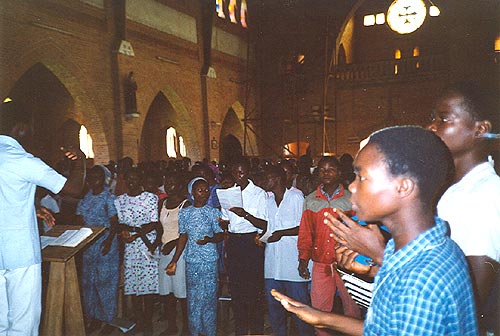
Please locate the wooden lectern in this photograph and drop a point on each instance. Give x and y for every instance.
(63, 293)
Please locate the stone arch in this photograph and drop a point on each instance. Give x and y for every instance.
(175, 114)
(234, 124)
(344, 37)
(48, 54)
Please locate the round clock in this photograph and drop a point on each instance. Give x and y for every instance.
(406, 16)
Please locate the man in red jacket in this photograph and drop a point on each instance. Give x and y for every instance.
(316, 244)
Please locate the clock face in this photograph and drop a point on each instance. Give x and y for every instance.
(406, 16)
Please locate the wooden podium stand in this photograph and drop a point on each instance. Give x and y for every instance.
(63, 293)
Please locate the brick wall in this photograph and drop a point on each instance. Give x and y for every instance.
(75, 42)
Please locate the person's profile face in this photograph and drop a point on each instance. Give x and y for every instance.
(453, 124)
(328, 173)
(373, 191)
(200, 192)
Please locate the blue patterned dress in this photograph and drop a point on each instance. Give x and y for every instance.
(99, 273)
(201, 267)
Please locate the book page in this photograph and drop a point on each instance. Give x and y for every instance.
(46, 241)
(230, 198)
(78, 237)
(69, 238)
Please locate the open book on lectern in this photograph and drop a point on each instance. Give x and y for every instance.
(69, 238)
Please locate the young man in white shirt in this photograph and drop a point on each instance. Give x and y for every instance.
(284, 207)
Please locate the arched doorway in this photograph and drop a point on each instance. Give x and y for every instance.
(230, 149)
(165, 111)
(51, 95)
(41, 95)
(232, 136)
(161, 115)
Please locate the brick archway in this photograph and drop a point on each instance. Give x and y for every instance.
(165, 110)
(52, 57)
(234, 124)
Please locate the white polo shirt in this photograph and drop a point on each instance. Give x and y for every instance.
(281, 257)
(254, 202)
(472, 208)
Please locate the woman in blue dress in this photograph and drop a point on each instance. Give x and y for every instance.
(199, 231)
(100, 267)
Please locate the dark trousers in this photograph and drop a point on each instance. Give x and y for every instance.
(278, 315)
(245, 263)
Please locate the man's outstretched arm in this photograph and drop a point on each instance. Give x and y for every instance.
(320, 319)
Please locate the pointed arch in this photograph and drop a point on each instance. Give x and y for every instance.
(49, 55)
(170, 110)
(234, 124)
(345, 34)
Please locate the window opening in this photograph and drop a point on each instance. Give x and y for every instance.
(369, 20)
(397, 54)
(380, 18)
(232, 7)
(171, 142)
(219, 8)
(416, 52)
(243, 13)
(182, 147)
(85, 142)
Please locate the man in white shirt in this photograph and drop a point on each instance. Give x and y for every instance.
(20, 255)
(472, 205)
(284, 207)
(245, 259)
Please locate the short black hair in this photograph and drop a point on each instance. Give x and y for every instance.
(98, 170)
(10, 116)
(419, 153)
(202, 167)
(478, 101)
(275, 170)
(241, 161)
(330, 159)
(288, 164)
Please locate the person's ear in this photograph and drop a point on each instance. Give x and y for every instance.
(406, 186)
(482, 127)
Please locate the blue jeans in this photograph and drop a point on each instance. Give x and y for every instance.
(277, 314)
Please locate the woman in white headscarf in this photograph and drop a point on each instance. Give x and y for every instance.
(199, 231)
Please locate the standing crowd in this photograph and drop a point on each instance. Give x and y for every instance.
(281, 243)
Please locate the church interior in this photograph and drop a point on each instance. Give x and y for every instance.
(166, 79)
(162, 80)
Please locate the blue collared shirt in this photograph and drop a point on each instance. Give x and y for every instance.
(423, 289)
(20, 173)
